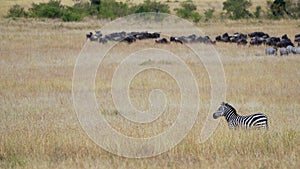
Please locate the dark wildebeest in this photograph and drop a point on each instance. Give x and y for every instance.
(224, 38)
(284, 43)
(258, 34)
(89, 35)
(272, 41)
(102, 40)
(257, 41)
(162, 40)
(129, 39)
(242, 42)
(175, 39)
(93, 37)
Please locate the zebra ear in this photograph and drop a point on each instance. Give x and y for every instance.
(223, 103)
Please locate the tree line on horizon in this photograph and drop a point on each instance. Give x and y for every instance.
(111, 9)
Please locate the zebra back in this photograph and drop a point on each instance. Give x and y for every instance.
(234, 120)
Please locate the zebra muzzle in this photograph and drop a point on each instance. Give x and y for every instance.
(216, 115)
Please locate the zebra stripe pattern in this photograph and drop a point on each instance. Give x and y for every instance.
(236, 121)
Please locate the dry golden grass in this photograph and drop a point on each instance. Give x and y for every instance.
(39, 127)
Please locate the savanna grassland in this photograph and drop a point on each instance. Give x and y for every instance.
(39, 126)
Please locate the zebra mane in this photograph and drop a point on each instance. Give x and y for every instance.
(231, 107)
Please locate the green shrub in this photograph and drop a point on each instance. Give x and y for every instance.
(257, 12)
(278, 8)
(70, 15)
(16, 11)
(195, 16)
(111, 9)
(187, 11)
(151, 6)
(51, 9)
(237, 9)
(293, 9)
(209, 13)
(76, 12)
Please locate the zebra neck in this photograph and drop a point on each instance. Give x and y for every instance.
(231, 114)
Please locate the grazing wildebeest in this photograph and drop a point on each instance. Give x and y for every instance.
(154, 35)
(129, 39)
(205, 39)
(162, 40)
(116, 36)
(239, 38)
(98, 34)
(233, 39)
(146, 35)
(272, 41)
(242, 42)
(283, 51)
(284, 43)
(89, 35)
(93, 37)
(284, 36)
(102, 40)
(271, 51)
(224, 38)
(257, 41)
(258, 34)
(240, 35)
(191, 38)
(175, 39)
(218, 38)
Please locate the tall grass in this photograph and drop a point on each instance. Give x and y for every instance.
(39, 127)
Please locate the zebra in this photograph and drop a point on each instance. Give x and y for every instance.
(236, 121)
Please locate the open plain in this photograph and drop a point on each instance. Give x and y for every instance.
(39, 126)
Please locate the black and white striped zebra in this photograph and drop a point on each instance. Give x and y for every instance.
(236, 121)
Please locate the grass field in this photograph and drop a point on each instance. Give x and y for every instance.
(39, 127)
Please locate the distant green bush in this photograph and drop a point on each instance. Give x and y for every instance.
(150, 6)
(188, 11)
(110, 9)
(16, 11)
(72, 16)
(293, 9)
(279, 9)
(209, 13)
(51, 9)
(257, 12)
(76, 12)
(237, 9)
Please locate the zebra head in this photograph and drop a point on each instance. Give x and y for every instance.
(220, 112)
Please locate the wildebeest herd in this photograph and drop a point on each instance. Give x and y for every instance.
(134, 36)
(272, 43)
